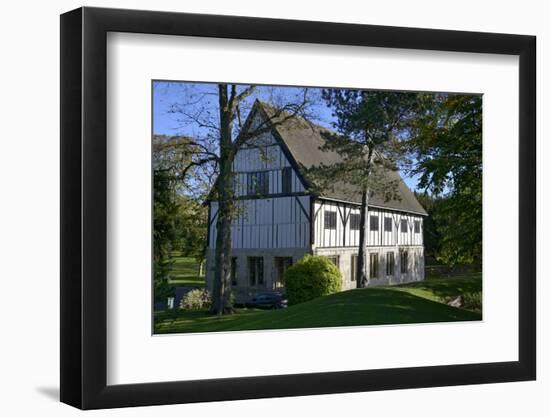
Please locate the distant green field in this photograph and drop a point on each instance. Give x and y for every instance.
(185, 272)
(409, 303)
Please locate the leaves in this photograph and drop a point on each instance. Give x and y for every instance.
(446, 141)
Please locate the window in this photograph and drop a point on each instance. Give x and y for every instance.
(390, 264)
(330, 220)
(234, 271)
(281, 265)
(404, 225)
(404, 261)
(417, 226)
(388, 224)
(256, 271)
(353, 274)
(335, 260)
(355, 221)
(258, 183)
(374, 223)
(286, 182)
(373, 265)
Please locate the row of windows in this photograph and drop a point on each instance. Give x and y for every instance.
(258, 182)
(355, 223)
(374, 264)
(255, 266)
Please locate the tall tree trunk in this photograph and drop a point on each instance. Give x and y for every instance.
(363, 224)
(361, 256)
(221, 291)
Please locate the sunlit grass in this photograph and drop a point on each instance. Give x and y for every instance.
(185, 272)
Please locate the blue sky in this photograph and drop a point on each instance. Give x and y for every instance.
(193, 97)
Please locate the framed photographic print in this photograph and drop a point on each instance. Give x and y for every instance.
(258, 208)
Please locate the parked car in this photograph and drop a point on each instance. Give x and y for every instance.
(268, 301)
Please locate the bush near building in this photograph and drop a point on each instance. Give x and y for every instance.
(311, 277)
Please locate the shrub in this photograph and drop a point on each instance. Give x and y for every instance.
(311, 277)
(197, 299)
(473, 301)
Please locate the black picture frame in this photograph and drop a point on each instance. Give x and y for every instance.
(84, 207)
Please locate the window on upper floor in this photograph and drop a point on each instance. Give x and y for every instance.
(417, 226)
(330, 220)
(374, 223)
(404, 226)
(388, 224)
(286, 180)
(258, 183)
(355, 221)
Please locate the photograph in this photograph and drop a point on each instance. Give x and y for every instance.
(330, 207)
(292, 207)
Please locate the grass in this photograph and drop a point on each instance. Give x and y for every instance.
(444, 289)
(185, 272)
(409, 303)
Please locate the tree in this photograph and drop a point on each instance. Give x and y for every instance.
(192, 225)
(164, 232)
(368, 124)
(431, 232)
(223, 133)
(171, 155)
(446, 142)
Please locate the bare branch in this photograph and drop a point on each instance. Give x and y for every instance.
(204, 149)
(198, 163)
(280, 116)
(238, 113)
(244, 94)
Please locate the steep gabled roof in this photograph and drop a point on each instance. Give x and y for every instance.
(303, 142)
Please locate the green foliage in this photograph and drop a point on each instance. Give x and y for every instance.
(197, 299)
(191, 222)
(432, 234)
(185, 272)
(369, 124)
(311, 277)
(164, 232)
(161, 279)
(179, 222)
(473, 301)
(446, 141)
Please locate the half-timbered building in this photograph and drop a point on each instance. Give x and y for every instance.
(280, 218)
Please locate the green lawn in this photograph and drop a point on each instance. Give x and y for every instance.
(409, 303)
(185, 272)
(444, 289)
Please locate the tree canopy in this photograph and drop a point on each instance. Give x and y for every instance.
(446, 144)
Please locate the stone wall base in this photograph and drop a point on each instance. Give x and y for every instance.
(243, 290)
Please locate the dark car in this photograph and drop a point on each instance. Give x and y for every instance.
(268, 300)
